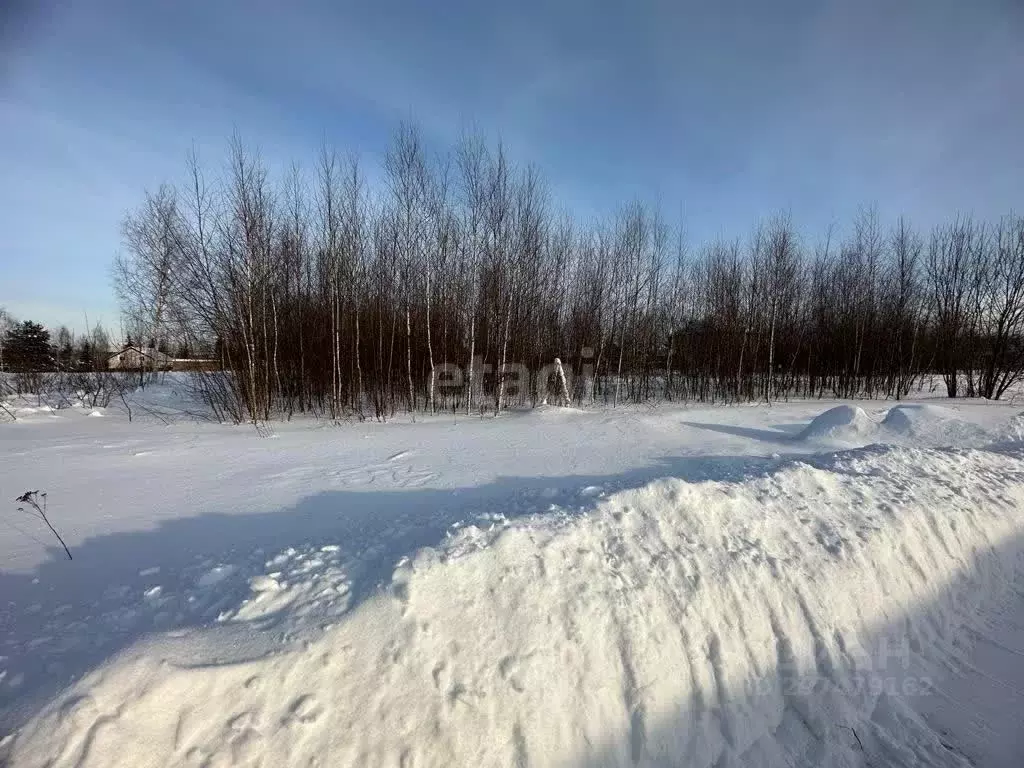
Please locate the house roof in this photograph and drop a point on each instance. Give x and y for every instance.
(149, 352)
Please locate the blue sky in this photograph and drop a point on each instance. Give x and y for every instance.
(720, 112)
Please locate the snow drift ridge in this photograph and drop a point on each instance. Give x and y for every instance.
(697, 624)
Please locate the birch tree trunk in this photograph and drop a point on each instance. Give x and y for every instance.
(563, 385)
(408, 360)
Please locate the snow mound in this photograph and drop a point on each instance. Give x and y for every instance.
(21, 411)
(932, 425)
(1013, 430)
(844, 423)
(552, 409)
(796, 618)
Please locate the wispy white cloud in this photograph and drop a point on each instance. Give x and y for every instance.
(727, 112)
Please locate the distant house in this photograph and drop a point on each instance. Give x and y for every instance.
(133, 358)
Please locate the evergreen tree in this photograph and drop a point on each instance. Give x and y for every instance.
(85, 356)
(27, 348)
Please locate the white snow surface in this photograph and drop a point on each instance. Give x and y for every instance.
(805, 584)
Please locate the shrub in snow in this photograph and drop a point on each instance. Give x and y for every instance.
(31, 500)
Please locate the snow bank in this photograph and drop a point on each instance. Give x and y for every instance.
(844, 423)
(905, 424)
(788, 619)
(1013, 429)
(933, 424)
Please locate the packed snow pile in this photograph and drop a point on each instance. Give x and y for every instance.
(803, 616)
(933, 424)
(904, 424)
(844, 423)
(1013, 430)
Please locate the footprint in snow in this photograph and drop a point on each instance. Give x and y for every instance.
(304, 710)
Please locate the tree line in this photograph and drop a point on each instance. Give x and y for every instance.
(28, 347)
(63, 368)
(457, 282)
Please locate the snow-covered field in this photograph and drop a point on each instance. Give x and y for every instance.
(797, 585)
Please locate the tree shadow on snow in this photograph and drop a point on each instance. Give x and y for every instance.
(783, 433)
